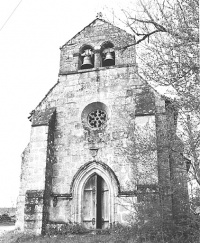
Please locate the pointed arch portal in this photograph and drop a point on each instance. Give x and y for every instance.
(94, 189)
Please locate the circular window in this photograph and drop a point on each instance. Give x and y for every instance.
(97, 118)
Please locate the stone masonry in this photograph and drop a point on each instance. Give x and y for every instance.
(100, 125)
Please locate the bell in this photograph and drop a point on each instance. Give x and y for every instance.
(109, 60)
(87, 63)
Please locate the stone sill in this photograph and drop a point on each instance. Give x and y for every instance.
(96, 69)
(64, 195)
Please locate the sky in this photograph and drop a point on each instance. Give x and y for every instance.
(29, 65)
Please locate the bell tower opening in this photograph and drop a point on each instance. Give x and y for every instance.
(107, 54)
(95, 203)
(86, 57)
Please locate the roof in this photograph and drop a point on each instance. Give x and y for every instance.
(96, 21)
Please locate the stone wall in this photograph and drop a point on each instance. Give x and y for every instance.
(117, 89)
(22, 190)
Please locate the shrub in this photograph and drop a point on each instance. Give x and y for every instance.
(64, 229)
(156, 230)
(5, 218)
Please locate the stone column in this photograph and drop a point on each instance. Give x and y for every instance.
(97, 57)
(35, 181)
(164, 169)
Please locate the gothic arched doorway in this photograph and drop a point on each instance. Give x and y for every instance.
(95, 203)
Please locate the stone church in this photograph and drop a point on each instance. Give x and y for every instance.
(101, 139)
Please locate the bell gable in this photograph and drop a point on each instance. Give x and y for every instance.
(100, 44)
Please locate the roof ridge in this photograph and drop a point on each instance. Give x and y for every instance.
(97, 18)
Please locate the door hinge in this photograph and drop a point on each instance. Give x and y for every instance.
(93, 221)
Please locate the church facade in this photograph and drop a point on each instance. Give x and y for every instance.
(100, 139)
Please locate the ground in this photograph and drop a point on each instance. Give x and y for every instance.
(12, 237)
(122, 235)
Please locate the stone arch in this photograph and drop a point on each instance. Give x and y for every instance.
(107, 49)
(81, 177)
(90, 54)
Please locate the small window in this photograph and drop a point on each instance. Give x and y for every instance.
(107, 54)
(87, 57)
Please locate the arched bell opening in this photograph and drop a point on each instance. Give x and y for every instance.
(107, 54)
(95, 203)
(86, 57)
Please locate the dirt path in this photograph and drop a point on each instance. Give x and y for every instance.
(4, 229)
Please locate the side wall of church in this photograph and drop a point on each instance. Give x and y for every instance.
(36, 174)
(32, 180)
(22, 189)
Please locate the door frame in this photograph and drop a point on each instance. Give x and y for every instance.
(78, 185)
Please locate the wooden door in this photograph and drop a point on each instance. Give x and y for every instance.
(89, 203)
(95, 203)
(105, 205)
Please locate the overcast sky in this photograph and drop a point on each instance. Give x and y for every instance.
(29, 65)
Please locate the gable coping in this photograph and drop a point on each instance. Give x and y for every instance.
(103, 20)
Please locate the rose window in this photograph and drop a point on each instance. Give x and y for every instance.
(97, 118)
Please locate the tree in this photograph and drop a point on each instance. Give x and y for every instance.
(167, 36)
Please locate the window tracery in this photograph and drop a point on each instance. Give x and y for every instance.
(97, 118)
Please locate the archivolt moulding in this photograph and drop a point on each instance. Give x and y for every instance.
(80, 179)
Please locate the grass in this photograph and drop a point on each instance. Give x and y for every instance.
(14, 237)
